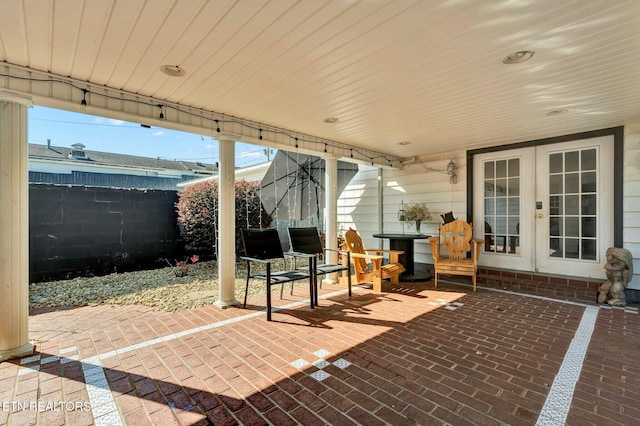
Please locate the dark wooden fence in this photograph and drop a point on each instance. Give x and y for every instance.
(79, 230)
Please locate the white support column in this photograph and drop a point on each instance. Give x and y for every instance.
(226, 224)
(331, 213)
(14, 227)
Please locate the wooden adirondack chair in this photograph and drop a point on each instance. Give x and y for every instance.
(367, 264)
(457, 238)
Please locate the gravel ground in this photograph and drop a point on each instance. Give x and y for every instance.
(158, 288)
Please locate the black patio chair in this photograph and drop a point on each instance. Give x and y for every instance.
(263, 246)
(307, 241)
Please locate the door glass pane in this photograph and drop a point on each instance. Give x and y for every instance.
(513, 207)
(514, 226)
(514, 168)
(555, 205)
(571, 249)
(573, 222)
(571, 205)
(513, 187)
(555, 184)
(488, 170)
(589, 204)
(571, 225)
(502, 206)
(555, 163)
(571, 162)
(588, 159)
(489, 188)
(589, 249)
(489, 207)
(589, 182)
(571, 183)
(588, 226)
(555, 247)
(501, 225)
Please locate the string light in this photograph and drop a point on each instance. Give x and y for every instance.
(83, 102)
(353, 152)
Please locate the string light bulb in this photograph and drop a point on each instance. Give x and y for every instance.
(161, 113)
(217, 125)
(83, 102)
(260, 134)
(296, 143)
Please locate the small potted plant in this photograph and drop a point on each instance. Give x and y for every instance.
(418, 213)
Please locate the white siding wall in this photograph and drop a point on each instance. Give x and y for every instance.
(358, 205)
(631, 218)
(420, 182)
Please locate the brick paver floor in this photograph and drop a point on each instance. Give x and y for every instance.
(411, 355)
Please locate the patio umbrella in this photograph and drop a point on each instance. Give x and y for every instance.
(293, 186)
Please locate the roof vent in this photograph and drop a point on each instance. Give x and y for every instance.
(77, 152)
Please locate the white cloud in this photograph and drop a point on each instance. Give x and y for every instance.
(116, 122)
(159, 133)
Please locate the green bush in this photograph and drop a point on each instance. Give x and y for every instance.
(197, 209)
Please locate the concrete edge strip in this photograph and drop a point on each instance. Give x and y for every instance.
(556, 407)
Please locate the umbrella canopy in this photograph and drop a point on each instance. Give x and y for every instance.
(293, 186)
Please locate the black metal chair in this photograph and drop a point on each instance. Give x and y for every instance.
(307, 241)
(263, 246)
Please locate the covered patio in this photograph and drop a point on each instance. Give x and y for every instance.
(412, 355)
(519, 116)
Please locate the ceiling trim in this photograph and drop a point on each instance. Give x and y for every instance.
(66, 93)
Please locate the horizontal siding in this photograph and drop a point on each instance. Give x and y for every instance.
(424, 183)
(358, 205)
(416, 183)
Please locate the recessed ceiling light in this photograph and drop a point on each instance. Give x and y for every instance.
(557, 112)
(404, 143)
(173, 70)
(518, 57)
(331, 120)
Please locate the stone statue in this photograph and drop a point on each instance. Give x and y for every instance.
(619, 270)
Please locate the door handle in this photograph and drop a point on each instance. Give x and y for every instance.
(539, 215)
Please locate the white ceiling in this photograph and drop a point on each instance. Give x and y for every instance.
(428, 72)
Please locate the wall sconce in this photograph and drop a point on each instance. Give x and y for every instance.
(451, 171)
(402, 215)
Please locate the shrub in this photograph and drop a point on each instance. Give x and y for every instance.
(197, 208)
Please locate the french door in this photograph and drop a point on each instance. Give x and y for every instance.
(546, 208)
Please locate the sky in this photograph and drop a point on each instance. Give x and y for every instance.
(108, 135)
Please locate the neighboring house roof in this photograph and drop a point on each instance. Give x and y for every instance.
(57, 153)
(251, 173)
